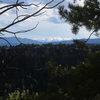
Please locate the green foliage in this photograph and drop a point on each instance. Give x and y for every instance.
(55, 70)
(21, 95)
(78, 16)
(79, 83)
(20, 79)
(80, 44)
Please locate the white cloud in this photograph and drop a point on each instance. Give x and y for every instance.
(50, 26)
(57, 38)
(80, 2)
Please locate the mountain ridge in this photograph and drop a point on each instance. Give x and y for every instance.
(13, 41)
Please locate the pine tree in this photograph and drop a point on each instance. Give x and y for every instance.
(87, 15)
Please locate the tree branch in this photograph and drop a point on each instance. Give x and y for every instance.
(22, 31)
(5, 40)
(89, 36)
(24, 17)
(31, 15)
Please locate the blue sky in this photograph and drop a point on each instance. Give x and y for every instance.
(50, 27)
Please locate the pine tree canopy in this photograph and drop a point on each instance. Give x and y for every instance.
(78, 16)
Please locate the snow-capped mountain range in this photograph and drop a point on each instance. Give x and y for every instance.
(14, 41)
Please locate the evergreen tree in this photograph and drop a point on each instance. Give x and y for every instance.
(87, 15)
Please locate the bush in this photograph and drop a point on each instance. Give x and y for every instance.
(21, 95)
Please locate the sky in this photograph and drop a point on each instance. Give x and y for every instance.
(50, 27)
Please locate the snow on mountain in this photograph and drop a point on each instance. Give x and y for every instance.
(13, 41)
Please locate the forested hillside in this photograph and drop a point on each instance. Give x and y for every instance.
(50, 72)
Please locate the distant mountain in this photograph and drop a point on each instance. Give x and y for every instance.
(94, 41)
(13, 41)
(91, 41)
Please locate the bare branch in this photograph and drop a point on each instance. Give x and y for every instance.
(37, 5)
(89, 36)
(55, 5)
(17, 39)
(6, 40)
(29, 16)
(39, 14)
(9, 7)
(22, 31)
(21, 18)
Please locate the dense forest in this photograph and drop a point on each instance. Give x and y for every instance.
(50, 72)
